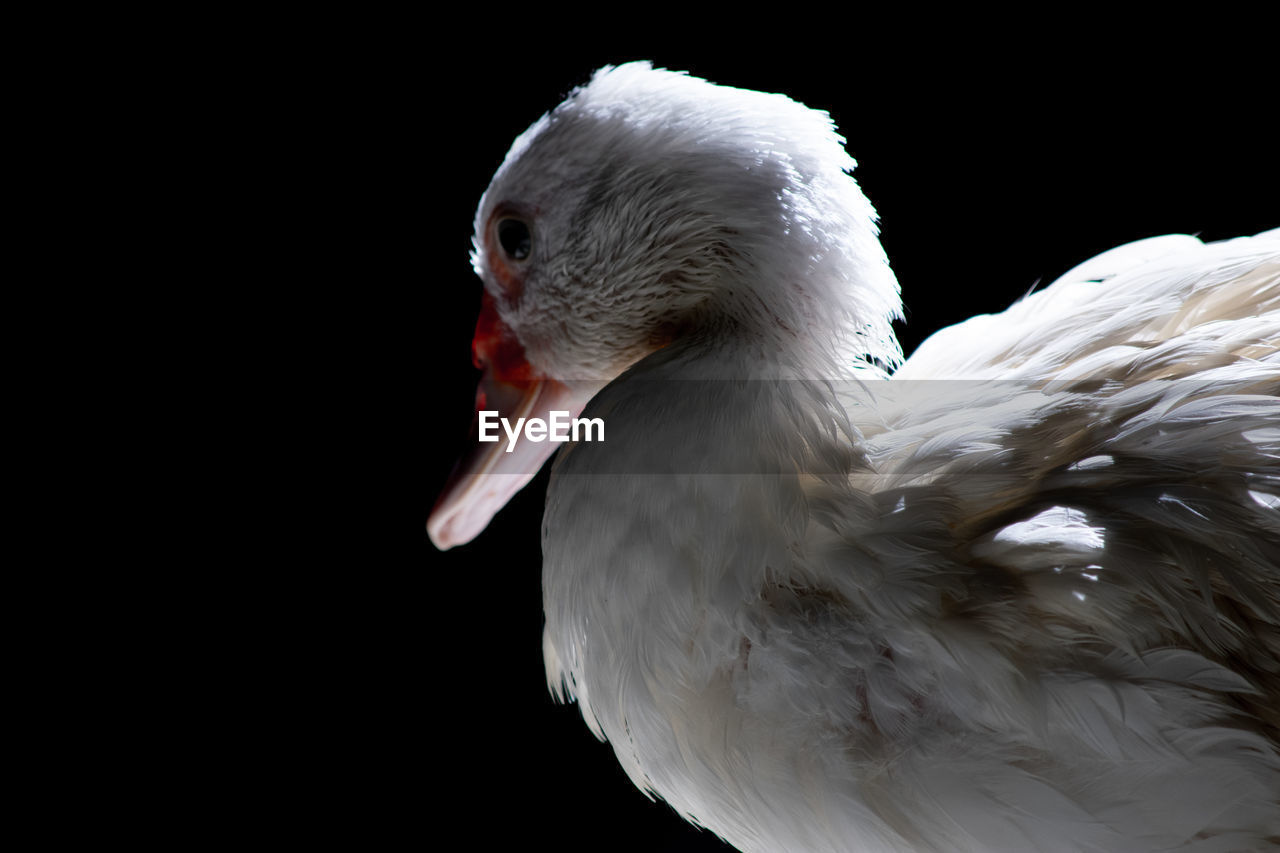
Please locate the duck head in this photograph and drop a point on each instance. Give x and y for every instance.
(653, 207)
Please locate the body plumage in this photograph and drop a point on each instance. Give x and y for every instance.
(1020, 593)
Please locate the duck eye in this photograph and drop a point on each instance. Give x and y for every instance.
(515, 239)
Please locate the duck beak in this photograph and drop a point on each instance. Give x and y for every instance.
(492, 470)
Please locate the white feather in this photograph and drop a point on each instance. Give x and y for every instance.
(1024, 595)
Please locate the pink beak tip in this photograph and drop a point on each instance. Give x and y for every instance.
(447, 526)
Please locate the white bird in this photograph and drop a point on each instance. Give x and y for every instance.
(1022, 594)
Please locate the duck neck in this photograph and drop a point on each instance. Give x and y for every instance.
(815, 311)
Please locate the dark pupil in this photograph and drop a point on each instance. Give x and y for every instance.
(515, 238)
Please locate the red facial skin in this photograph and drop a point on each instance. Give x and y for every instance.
(494, 347)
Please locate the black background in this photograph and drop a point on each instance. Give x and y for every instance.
(993, 169)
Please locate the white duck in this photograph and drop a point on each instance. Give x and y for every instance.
(1036, 607)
